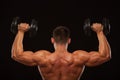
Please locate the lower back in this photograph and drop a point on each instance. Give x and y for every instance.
(62, 73)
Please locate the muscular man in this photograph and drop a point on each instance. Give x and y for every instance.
(61, 64)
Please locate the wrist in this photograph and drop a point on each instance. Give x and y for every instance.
(21, 32)
(100, 32)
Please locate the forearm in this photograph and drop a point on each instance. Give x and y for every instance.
(17, 48)
(104, 48)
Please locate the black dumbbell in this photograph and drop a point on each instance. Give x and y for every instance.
(87, 26)
(106, 26)
(32, 30)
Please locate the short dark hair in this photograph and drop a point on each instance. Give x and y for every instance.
(61, 34)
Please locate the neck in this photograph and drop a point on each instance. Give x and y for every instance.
(60, 48)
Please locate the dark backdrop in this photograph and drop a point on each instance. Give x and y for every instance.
(50, 14)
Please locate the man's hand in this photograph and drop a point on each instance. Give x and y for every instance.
(97, 27)
(23, 27)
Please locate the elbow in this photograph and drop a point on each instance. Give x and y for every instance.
(15, 56)
(12, 54)
(108, 57)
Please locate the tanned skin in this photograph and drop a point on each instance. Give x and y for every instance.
(61, 64)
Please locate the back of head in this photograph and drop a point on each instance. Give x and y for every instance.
(61, 34)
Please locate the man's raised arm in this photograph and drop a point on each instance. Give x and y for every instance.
(104, 52)
(18, 53)
(94, 58)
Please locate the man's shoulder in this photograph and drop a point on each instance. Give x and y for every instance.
(80, 52)
(81, 55)
(42, 52)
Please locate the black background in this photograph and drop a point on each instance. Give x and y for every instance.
(50, 14)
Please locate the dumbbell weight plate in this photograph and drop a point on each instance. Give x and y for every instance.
(106, 26)
(87, 27)
(33, 28)
(14, 25)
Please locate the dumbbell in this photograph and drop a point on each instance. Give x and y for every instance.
(32, 30)
(88, 30)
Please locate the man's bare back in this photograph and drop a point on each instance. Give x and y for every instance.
(61, 65)
(64, 67)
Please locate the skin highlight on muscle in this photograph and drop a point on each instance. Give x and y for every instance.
(61, 64)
